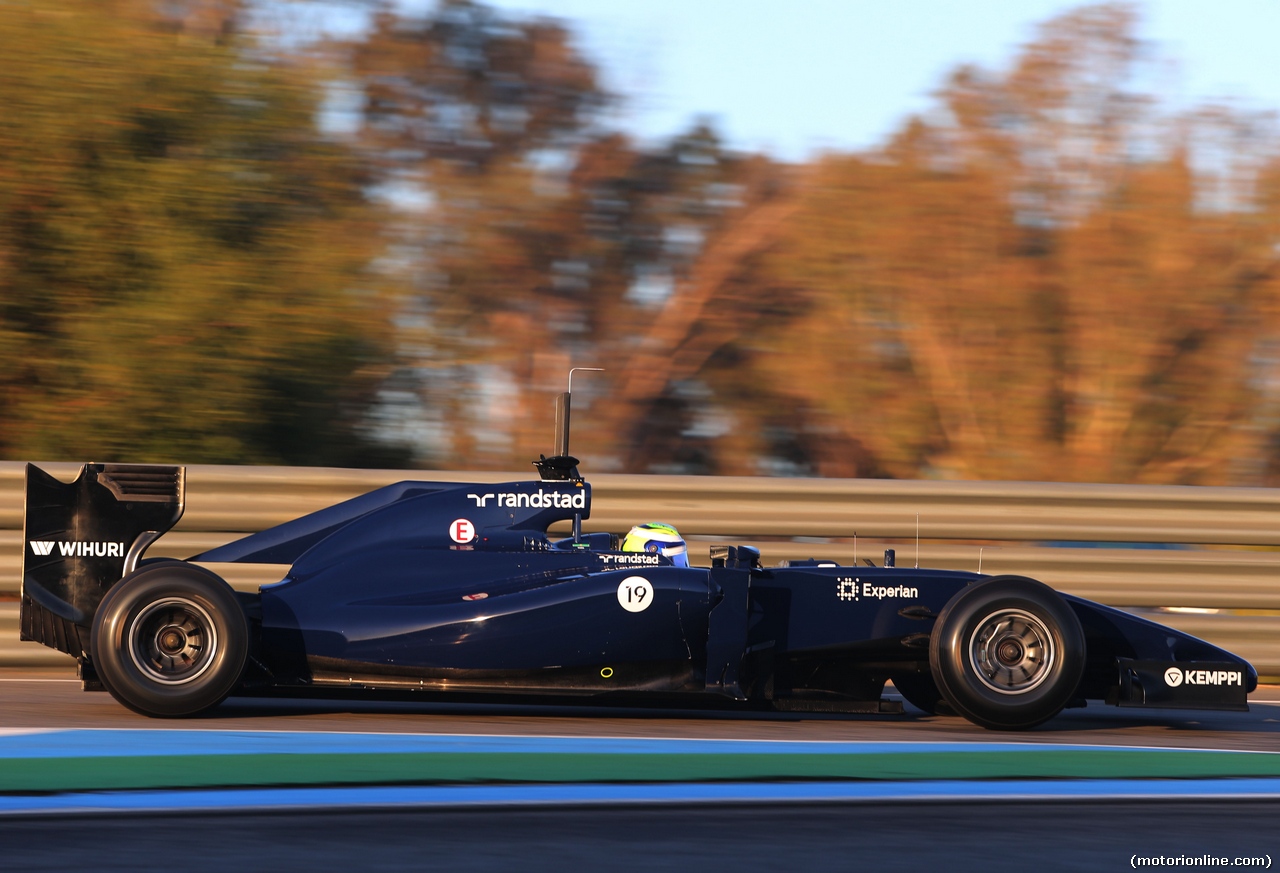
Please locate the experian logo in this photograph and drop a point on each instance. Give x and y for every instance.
(78, 549)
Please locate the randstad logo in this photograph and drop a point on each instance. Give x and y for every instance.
(537, 500)
(78, 549)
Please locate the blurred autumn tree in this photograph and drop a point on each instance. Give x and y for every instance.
(183, 258)
(533, 237)
(1045, 277)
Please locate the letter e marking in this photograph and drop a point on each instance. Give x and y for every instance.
(462, 531)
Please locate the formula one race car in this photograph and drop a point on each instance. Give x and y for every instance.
(449, 589)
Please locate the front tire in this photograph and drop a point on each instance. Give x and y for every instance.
(1007, 653)
(170, 640)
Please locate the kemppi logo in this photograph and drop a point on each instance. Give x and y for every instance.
(72, 549)
(1173, 677)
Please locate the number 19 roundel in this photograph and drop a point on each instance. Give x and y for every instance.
(635, 594)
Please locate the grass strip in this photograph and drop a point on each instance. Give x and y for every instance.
(21, 775)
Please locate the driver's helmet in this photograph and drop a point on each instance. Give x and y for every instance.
(657, 538)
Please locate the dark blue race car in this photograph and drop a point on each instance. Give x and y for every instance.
(455, 589)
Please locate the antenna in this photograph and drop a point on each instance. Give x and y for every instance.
(979, 560)
(582, 370)
(563, 466)
(917, 541)
(855, 548)
(562, 412)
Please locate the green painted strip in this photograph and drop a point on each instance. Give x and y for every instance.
(188, 771)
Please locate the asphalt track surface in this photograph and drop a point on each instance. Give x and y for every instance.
(989, 835)
(53, 699)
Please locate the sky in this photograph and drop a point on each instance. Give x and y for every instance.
(793, 77)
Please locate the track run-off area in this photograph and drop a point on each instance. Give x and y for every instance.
(359, 784)
(52, 700)
(56, 740)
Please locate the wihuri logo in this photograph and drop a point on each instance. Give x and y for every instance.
(78, 549)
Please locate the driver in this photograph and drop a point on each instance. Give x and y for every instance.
(657, 538)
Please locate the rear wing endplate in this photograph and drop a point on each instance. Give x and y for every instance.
(80, 538)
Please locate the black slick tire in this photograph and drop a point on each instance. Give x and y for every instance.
(170, 640)
(1007, 653)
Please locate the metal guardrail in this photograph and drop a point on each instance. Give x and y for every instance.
(1227, 554)
(230, 499)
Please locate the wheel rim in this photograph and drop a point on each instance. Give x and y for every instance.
(173, 641)
(1012, 651)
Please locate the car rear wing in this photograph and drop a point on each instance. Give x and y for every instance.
(80, 538)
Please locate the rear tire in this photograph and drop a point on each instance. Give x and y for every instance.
(170, 640)
(1007, 653)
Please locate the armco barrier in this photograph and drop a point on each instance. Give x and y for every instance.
(222, 499)
(1224, 543)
